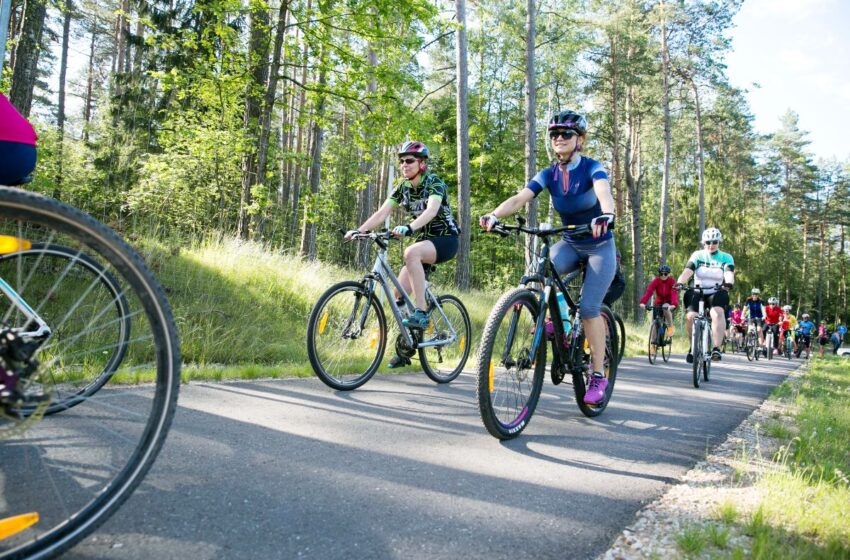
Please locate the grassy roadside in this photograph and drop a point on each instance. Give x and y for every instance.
(804, 487)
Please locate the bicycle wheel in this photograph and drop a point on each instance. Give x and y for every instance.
(509, 377)
(101, 316)
(652, 342)
(346, 336)
(73, 470)
(444, 363)
(769, 346)
(696, 348)
(621, 328)
(750, 348)
(580, 380)
(666, 347)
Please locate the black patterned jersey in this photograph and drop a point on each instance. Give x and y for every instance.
(415, 200)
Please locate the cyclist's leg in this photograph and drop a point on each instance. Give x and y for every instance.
(601, 267)
(718, 302)
(668, 318)
(414, 256)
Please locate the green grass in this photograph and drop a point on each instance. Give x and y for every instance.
(806, 509)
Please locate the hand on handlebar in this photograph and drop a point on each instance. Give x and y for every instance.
(488, 222)
(642, 306)
(601, 224)
(349, 235)
(678, 286)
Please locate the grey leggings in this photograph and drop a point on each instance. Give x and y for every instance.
(601, 259)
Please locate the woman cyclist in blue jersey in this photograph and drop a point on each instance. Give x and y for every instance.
(754, 311)
(709, 267)
(581, 194)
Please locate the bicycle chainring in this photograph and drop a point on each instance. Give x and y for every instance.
(401, 347)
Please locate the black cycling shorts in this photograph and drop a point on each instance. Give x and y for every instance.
(446, 247)
(16, 162)
(719, 298)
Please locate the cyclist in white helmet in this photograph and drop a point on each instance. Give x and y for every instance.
(710, 268)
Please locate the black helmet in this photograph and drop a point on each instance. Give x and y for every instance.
(664, 269)
(414, 148)
(568, 119)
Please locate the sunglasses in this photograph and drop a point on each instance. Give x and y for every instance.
(712, 242)
(664, 273)
(408, 161)
(565, 134)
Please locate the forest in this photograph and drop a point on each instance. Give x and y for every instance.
(278, 121)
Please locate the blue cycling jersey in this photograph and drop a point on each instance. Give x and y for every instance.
(755, 307)
(805, 327)
(571, 188)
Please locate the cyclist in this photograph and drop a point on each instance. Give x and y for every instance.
(17, 145)
(787, 325)
(739, 325)
(803, 335)
(823, 336)
(754, 311)
(424, 197)
(837, 338)
(581, 194)
(709, 267)
(772, 316)
(665, 295)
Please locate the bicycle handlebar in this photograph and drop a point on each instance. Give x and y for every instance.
(505, 229)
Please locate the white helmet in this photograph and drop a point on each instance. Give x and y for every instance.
(712, 234)
(786, 308)
(755, 291)
(773, 301)
(805, 315)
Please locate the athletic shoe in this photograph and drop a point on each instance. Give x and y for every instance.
(595, 393)
(399, 361)
(418, 320)
(715, 354)
(690, 357)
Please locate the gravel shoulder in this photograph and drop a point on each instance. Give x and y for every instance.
(729, 474)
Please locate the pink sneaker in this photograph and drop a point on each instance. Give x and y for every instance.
(595, 393)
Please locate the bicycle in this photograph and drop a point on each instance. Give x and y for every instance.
(701, 338)
(787, 345)
(769, 338)
(75, 292)
(751, 342)
(348, 314)
(658, 336)
(804, 343)
(509, 383)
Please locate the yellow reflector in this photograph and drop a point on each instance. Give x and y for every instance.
(373, 339)
(9, 244)
(586, 345)
(490, 377)
(462, 342)
(16, 524)
(323, 322)
(430, 330)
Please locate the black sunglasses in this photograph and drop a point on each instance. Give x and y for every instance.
(407, 160)
(565, 134)
(715, 242)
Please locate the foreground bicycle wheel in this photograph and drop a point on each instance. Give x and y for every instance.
(580, 381)
(102, 318)
(652, 342)
(444, 363)
(69, 472)
(346, 336)
(698, 352)
(509, 377)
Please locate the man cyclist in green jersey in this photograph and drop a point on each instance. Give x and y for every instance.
(424, 197)
(710, 267)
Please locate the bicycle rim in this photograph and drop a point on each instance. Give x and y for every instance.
(697, 353)
(75, 468)
(346, 336)
(444, 363)
(509, 377)
(651, 345)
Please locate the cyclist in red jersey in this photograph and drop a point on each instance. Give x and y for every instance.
(665, 295)
(772, 317)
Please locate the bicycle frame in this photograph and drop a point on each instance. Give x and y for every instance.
(21, 304)
(383, 274)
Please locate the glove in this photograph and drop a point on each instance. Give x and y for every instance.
(403, 231)
(604, 222)
(727, 285)
(349, 235)
(488, 222)
(678, 286)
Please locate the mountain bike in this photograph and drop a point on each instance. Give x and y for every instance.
(347, 328)
(512, 353)
(787, 345)
(804, 343)
(770, 339)
(701, 338)
(751, 342)
(87, 331)
(658, 336)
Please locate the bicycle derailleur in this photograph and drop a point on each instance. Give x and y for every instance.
(17, 366)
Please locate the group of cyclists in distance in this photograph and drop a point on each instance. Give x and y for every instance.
(581, 194)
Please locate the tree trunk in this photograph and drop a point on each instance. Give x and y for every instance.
(365, 195)
(700, 160)
(463, 210)
(632, 168)
(60, 112)
(25, 71)
(665, 176)
(530, 120)
(88, 102)
(308, 231)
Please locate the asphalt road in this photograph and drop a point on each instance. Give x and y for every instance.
(402, 468)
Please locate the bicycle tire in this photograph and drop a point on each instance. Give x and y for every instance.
(697, 352)
(652, 342)
(665, 349)
(769, 346)
(42, 256)
(341, 354)
(621, 326)
(507, 397)
(610, 364)
(431, 357)
(750, 348)
(49, 463)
